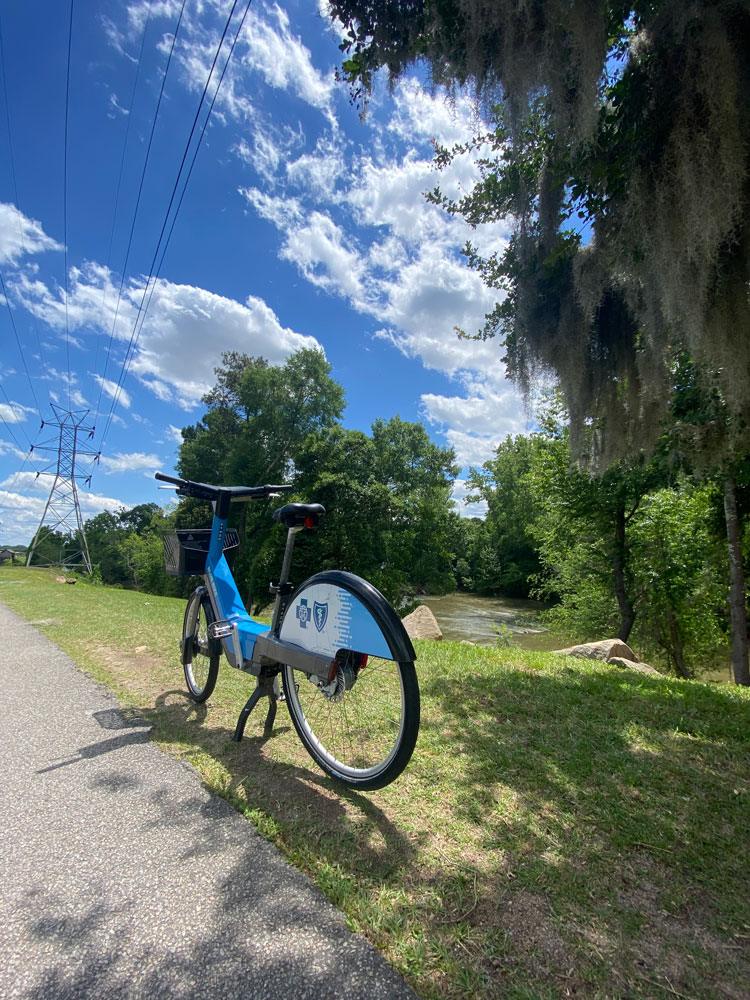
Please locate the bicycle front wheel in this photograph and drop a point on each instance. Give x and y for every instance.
(361, 727)
(200, 653)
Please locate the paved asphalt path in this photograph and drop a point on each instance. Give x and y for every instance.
(121, 876)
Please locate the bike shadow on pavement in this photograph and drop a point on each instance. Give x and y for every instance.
(274, 776)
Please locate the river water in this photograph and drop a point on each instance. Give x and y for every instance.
(478, 619)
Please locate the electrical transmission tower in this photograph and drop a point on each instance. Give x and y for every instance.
(62, 512)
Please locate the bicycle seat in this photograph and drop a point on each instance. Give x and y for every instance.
(299, 515)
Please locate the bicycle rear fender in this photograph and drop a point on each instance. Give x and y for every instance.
(335, 610)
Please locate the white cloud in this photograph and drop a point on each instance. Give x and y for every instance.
(317, 173)
(470, 449)
(282, 212)
(120, 462)
(270, 147)
(115, 106)
(392, 194)
(267, 46)
(185, 332)
(188, 328)
(494, 414)
(14, 413)
(21, 513)
(20, 236)
(77, 399)
(475, 424)
(284, 61)
(379, 244)
(92, 302)
(264, 155)
(318, 249)
(27, 481)
(433, 115)
(110, 389)
(8, 448)
(174, 434)
(427, 299)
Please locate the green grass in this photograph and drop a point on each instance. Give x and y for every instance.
(565, 829)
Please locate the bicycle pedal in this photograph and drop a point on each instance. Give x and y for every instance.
(220, 630)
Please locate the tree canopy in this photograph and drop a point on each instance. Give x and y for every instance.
(618, 157)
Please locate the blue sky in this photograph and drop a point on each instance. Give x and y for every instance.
(301, 225)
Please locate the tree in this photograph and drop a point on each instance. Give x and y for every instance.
(389, 511)
(54, 547)
(257, 418)
(617, 156)
(508, 561)
(106, 535)
(675, 561)
(699, 418)
(583, 530)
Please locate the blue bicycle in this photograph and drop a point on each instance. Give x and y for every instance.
(345, 661)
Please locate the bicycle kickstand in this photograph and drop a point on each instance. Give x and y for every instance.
(264, 688)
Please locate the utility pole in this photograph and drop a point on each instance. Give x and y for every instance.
(62, 512)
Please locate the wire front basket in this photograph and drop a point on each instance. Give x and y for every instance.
(185, 550)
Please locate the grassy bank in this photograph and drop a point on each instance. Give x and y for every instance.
(565, 829)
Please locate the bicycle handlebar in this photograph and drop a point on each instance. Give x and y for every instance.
(205, 491)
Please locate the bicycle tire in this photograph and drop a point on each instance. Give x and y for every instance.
(201, 654)
(365, 739)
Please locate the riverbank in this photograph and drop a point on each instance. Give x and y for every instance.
(482, 620)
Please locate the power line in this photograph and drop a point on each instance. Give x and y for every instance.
(65, 195)
(20, 348)
(117, 194)
(7, 425)
(141, 315)
(12, 486)
(16, 202)
(195, 154)
(137, 205)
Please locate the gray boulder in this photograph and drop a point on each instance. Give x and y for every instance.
(642, 668)
(611, 651)
(603, 650)
(421, 624)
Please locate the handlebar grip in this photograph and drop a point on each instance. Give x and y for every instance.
(169, 479)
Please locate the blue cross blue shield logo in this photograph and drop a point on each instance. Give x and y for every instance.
(320, 615)
(303, 613)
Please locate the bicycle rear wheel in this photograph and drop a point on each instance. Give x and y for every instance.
(200, 654)
(362, 727)
(366, 739)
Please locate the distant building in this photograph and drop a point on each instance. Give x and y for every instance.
(6, 554)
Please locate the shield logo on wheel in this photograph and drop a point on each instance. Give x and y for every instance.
(320, 615)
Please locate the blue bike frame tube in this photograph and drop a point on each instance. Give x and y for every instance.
(222, 588)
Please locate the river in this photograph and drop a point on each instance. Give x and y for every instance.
(476, 618)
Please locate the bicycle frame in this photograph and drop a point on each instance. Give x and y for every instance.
(247, 644)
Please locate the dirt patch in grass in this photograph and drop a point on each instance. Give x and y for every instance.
(675, 937)
(143, 672)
